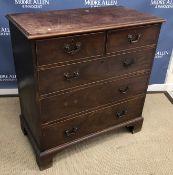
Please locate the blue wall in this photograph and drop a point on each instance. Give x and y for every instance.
(163, 8)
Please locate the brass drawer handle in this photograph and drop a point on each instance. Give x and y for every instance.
(71, 76)
(128, 62)
(124, 90)
(72, 47)
(121, 114)
(134, 38)
(72, 131)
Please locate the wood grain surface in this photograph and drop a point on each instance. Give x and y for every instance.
(54, 23)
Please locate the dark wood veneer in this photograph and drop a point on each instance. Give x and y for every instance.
(54, 79)
(81, 73)
(63, 22)
(23, 52)
(118, 40)
(83, 99)
(86, 124)
(51, 51)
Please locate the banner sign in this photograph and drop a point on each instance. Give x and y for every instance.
(162, 8)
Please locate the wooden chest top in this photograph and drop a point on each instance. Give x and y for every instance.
(56, 23)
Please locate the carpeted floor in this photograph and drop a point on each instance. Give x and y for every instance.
(149, 152)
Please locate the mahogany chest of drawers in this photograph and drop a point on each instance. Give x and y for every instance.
(81, 73)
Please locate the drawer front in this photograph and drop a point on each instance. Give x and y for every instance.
(119, 40)
(84, 125)
(59, 78)
(70, 48)
(57, 107)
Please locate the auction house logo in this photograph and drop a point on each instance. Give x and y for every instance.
(161, 54)
(4, 31)
(36, 4)
(99, 3)
(6, 77)
(162, 3)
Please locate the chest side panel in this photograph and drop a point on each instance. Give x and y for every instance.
(23, 51)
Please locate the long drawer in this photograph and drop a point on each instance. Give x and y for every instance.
(84, 125)
(65, 49)
(64, 77)
(78, 100)
(125, 39)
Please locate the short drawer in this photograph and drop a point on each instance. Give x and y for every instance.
(84, 125)
(64, 77)
(124, 39)
(65, 49)
(63, 105)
